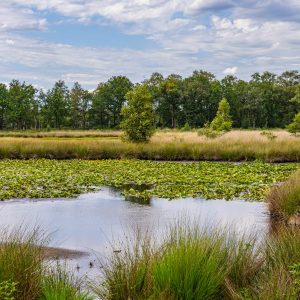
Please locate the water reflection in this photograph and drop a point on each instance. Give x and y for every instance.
(89, 222)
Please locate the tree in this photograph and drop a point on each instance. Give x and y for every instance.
(138, 115)
(21, 105)
(171, 100)
(294, 127)
(56, 106)
(79, 106)
(3, 104)
(108, 100)
(222, 121)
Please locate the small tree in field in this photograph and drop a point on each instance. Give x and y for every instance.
(138, 115)
(294, 127)
(222, 121)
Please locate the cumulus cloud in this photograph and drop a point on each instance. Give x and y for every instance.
(230, 71)
(188, 34)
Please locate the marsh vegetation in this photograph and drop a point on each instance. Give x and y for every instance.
(43, 178)
(236, 145)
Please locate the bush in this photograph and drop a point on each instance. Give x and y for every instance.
(186, 127)
(294, 127)
(138, 115)
(222, 121)
(209, 133)
(269, 135)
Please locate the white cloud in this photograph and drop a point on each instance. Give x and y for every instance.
(230, 71)
(255, 36)
(9, 42)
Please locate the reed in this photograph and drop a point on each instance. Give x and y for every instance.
(173, 146)
(284, 199)
(25, 275)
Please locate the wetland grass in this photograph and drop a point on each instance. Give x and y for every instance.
(174, 146)
(196, 264)
(284, 200)
(25, 275)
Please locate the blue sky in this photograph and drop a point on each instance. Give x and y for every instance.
(89, 41)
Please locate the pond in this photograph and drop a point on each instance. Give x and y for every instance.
(90, 222)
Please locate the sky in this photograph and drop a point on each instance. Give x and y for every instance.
(42, 41)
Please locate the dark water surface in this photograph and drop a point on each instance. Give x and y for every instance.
(90, 222)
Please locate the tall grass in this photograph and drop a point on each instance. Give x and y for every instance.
(233, 146)
(190, 263)
(24, 275)
(61, 134)
(284, 200)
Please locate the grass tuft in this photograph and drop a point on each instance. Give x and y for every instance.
(284, 200)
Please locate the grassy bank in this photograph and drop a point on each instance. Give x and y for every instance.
(284, 200)
(196, 264)
(233, 146)
(43, 178)
(24, 275)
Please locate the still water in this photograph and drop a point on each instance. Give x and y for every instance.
(90, 222)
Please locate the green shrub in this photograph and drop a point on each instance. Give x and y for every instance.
(222, 121)
(138, 118)
(209, 133)
(269, 135)
(186, 127)
(294, 127)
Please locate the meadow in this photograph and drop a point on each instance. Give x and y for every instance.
(237, 145)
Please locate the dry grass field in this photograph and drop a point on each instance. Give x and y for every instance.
(237, 145)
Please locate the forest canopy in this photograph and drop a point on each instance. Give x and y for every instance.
(266, 101)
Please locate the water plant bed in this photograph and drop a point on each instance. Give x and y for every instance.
(43, 178)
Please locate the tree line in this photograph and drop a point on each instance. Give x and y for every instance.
(265, 101)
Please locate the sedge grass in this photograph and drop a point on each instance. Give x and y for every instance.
(232, 146)
(189, 263)
(284, 200)
(25, 275)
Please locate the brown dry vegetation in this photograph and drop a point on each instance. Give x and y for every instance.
(236, 145)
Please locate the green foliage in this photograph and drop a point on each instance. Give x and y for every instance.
(56, 178)
(209, 132)
(138, 115)
(266, 101)
(107, 102)
(269, 135)
(222, 121)
(186, 127)
(7, 290)
(294, 127)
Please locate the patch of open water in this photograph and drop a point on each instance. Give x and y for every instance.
(89, 222)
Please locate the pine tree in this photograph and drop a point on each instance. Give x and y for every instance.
(222, 121)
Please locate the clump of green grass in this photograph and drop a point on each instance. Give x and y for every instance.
(21, 261)
(284, 199)
(188, 263)
(60, 283)
(24, 275)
